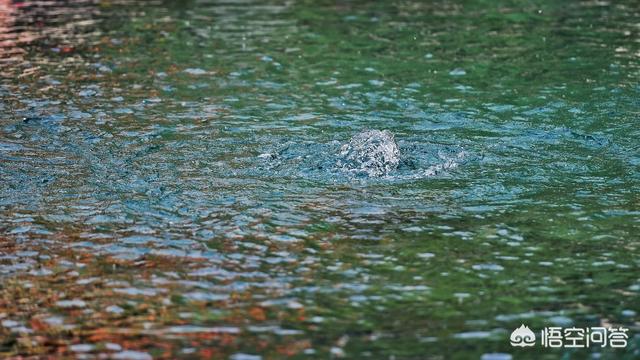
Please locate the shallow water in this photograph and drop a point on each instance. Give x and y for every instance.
(170, 179)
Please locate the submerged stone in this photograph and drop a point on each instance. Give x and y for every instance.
(371, 153)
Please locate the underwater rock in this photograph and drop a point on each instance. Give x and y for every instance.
(371, 153)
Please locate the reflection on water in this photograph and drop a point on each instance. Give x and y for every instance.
(52, 26)
(173, 184)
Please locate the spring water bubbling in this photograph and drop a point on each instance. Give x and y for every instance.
(372, 153)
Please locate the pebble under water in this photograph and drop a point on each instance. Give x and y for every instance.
(317, 179)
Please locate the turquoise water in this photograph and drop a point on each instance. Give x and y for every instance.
(170, 179)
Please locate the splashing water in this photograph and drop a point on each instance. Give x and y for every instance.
(372, 153)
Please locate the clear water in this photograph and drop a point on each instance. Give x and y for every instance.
(170, 180)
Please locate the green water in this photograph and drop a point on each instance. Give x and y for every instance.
(168, 178)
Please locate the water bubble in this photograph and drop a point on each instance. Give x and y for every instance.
(131, 355)
(115, 309)
(195, 71)
(82, 347)
(372, 153)
(71, 303)
(496, 356)
(242, 356)
(491, 267)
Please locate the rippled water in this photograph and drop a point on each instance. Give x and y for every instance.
(172, 177)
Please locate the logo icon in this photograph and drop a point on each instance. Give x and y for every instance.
(522, 337)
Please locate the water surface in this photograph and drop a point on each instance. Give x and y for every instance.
(168, 178)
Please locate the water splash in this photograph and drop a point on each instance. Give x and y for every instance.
(372, 153)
